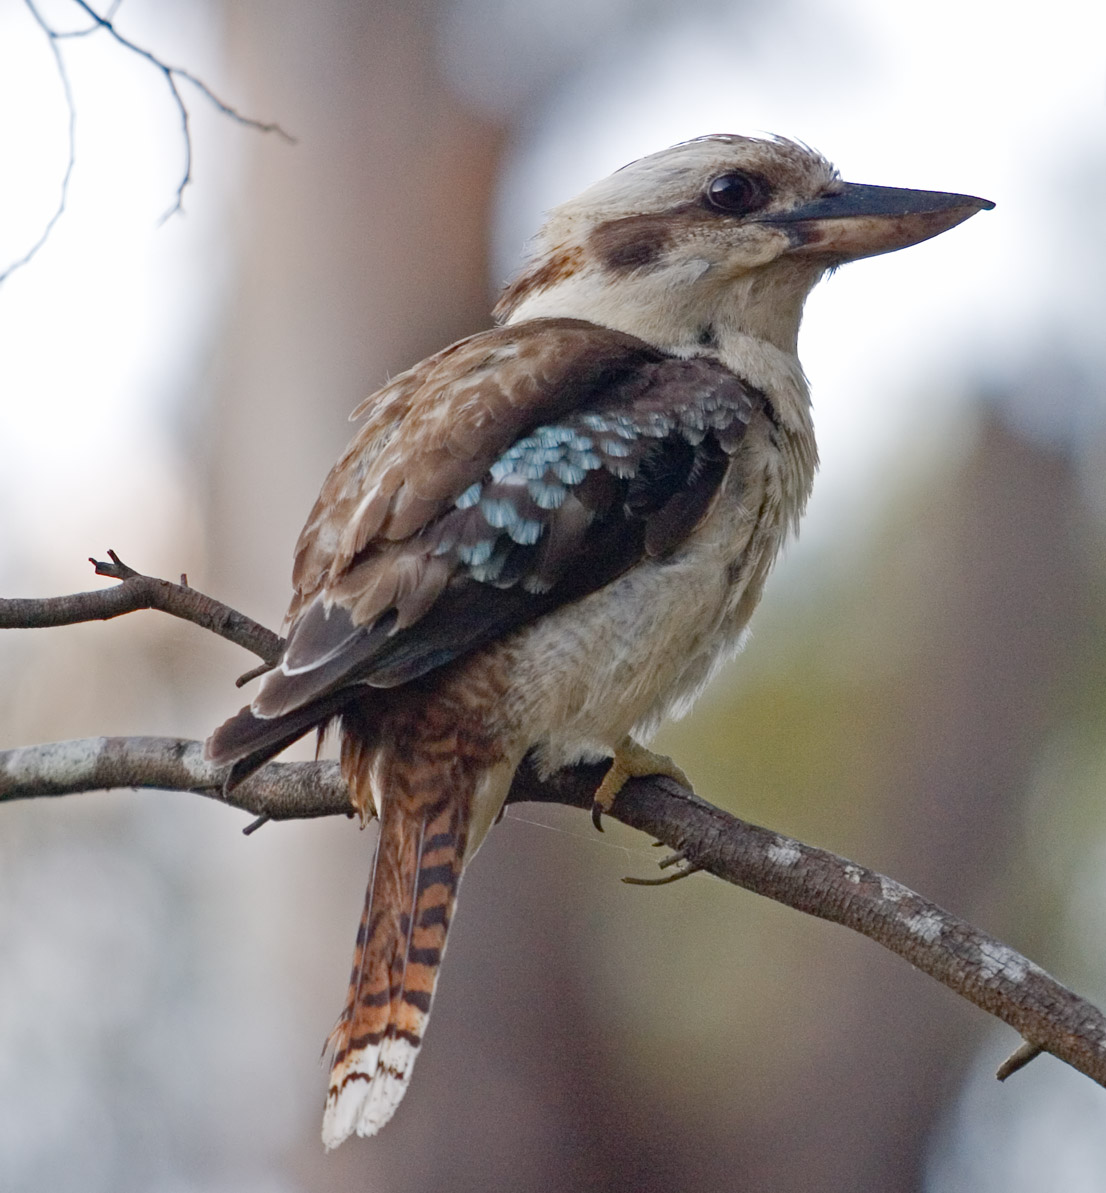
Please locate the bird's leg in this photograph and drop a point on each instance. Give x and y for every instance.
(631, 761)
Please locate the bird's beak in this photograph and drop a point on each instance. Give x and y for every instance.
(861, 221)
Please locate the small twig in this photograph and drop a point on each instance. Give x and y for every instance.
(172, 74)
(253, 673)
(254, 825)
(666, 879)
(136, 591)
(63, 74)
(1018, 1059)
(116, 570)
(93, 28)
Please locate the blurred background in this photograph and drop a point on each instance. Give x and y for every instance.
(924, 690)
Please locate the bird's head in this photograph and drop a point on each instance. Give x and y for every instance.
(719, 235)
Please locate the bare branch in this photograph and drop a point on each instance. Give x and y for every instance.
(985, 971)
(93, 28)
(1048, 1016)
(52, 38)
(280, 791)
(171, 73)
(136, 591)
(1018, 1059)
(980, 968)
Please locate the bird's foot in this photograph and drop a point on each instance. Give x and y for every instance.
(631, 761)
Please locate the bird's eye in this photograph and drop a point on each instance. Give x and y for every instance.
(737, 193)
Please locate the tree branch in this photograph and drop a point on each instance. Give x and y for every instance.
(136, 591)
(52, 38)
(980, 968)
(279, 791)
(1048, 1016)
(172, 75)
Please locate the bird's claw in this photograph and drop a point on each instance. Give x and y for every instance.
(631, 761)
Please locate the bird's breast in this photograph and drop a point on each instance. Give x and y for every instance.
(623, 658)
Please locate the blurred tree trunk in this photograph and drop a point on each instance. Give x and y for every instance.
(362, 249)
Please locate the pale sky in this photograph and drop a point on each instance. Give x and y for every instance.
(99, 335)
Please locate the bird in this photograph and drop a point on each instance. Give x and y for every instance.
(545, 539)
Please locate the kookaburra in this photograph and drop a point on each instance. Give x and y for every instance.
(545, 538)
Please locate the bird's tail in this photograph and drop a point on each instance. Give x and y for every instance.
(400, 943)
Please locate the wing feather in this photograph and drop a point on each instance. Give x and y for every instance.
(515, 472)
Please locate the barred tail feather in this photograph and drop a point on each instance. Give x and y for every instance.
(400, 945)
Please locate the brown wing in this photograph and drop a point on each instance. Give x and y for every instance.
(513, 473)
(439, 427)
